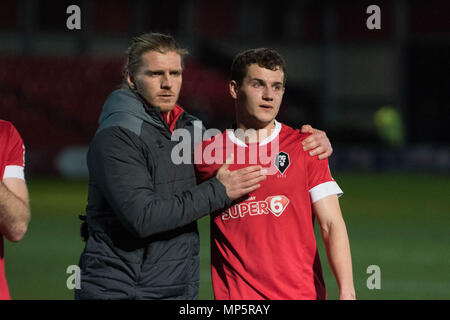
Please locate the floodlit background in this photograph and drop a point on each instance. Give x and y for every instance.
(381, 95)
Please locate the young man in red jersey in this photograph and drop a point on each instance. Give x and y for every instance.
(264, 247)
(14, 207)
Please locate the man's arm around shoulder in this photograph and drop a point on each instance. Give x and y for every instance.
(117, 162)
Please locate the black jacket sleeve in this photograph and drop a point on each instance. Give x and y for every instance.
(117, 163)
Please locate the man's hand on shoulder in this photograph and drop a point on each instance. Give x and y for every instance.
(317, 143)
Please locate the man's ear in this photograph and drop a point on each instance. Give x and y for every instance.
(234, 89)
(131, 82)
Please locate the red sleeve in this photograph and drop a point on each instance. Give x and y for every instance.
(14, 153)
(318, 171)
(15, 150)
(320, 181)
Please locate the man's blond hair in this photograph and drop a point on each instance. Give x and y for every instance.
(144, 43)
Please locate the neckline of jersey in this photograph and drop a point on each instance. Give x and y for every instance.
(273, 135)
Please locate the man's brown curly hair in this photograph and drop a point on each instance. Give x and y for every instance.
(263, 57)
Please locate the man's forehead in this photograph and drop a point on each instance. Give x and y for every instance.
(155, 59)
(256, 71)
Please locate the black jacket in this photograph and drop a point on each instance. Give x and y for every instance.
(142, 208)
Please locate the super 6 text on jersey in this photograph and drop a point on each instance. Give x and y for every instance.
(273, 204)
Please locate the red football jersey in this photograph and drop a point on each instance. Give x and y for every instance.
(264, 247)
(12, 162)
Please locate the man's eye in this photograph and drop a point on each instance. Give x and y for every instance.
(176, 73)
(278, 88)
(256, 84)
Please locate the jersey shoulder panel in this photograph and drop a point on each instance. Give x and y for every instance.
(6, 127)
(10, 138)
(293, 137)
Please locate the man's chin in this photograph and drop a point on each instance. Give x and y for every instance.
(166, 107)
(263, 120)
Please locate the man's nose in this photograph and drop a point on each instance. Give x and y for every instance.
(267, 94)
(166, 82)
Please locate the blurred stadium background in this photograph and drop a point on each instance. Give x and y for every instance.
(381, 95)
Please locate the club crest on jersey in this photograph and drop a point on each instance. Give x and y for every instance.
(282, 161)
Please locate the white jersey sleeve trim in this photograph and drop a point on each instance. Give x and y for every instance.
(325, 189)
(14, 172)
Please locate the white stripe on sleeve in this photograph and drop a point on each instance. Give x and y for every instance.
(325, 189)
(14, 172)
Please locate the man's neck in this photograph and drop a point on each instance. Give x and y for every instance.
(255, 134)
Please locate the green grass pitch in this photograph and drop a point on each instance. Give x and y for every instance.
(399, 222)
